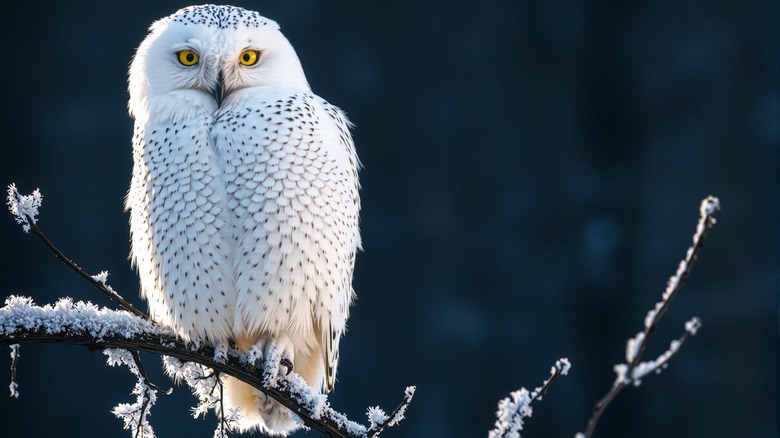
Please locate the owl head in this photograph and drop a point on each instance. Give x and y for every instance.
(201, 55)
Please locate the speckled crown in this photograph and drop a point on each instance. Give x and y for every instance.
(221, 16)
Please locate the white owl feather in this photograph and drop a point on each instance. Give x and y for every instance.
(244, 198)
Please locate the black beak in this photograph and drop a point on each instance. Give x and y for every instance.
(219, 89)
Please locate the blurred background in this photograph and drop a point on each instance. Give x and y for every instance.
(533, 172)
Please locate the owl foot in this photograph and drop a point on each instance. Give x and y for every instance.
(274, 348)
(194, 343)
(221, 353)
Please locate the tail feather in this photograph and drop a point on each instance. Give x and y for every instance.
(262, 413)
(258, 411)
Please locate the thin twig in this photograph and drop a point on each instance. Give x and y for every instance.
(706, 222)
(514, 409)
(224, 425)
(14, 362)
(397, 412)
(100, 286)
(618, 387)
(221, 407)
(709, 206)
(541, 392)
(144, 376)
(663, 361)
(139, 429)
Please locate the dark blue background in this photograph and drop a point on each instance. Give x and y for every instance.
(532, 177)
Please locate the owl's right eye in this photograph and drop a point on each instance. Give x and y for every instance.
(188, 57)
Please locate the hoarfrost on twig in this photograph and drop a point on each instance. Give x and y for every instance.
(634, 369)
(134, 415)
(514, 409)
(87, 324)
(102, 278)
(24, 207)
(13, 386)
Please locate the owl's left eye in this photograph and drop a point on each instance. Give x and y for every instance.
(248, 57)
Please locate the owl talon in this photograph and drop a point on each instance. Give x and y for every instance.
(221, 353)
(194, 344)
(285, 362)
(255, 357)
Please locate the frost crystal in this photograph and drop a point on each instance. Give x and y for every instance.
(201, 380)
(65, 316)
(376, 416)
(14, 352)
(399, 415)
(620, 369)
(511, 412)
(207, 387)
(660, 363)
(693, 326)
(633, 346)
(21, 313)
(134, 415)
(709, 206)
(652, 314)
(513, 409)
(24, 207)
(102, 278)
(14, 387)
(563, 365)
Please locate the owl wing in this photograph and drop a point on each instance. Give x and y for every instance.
(291, 175)
(331, 335)
(178, 228)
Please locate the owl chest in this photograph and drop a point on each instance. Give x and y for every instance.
(276, 172)
(182, 175)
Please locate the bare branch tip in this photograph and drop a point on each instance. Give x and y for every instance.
(634, 370)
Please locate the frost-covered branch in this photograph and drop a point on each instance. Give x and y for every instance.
(379, 420)
(519, 405)
(634, 369)
(134, 415)
(79, 323)
(25, 210)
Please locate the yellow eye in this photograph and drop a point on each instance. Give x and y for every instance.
(248, 57)
(188, 57)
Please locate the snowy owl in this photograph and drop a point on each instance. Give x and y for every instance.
(244, 198)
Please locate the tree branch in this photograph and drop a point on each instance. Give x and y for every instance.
(99, 333)
(632, 372)
(25, 211)
(99, 285)
(144, 376)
